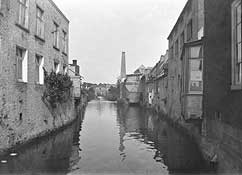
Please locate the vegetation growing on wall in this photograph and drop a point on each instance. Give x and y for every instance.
(57, 88)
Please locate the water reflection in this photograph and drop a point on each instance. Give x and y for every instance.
(49, 155)
(109, 140)
(171, 149)
(76, 149)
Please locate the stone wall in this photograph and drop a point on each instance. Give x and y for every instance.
(49, 153)
(23, 114)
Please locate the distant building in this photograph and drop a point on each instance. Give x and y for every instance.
(101, 90)
(129, 84)
(74, 73)
(132, 88)
(140, 70)
(155, 84)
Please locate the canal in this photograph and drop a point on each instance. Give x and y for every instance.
(108, 139)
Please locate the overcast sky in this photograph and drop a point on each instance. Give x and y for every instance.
(101, 29)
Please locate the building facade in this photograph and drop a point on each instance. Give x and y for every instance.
(74, 73)
(33, 39)
(155, 84)
(161, 85)
(132, 88)
(223, 80)
(188, 28)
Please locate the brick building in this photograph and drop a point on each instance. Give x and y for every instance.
(33, 37)
(188, 28)
(223, 79)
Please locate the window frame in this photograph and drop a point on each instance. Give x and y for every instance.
(189, 30)
(18, 66)
(56, 35)
(186, 79)
(40, 23)
(65, 69)
(56, 67)
(176, 47)
(234, 84)
(190, 91)
(65, 42)
(182, 40)
(40, 70)
(24, 64)
(25, 21)
(171, 52)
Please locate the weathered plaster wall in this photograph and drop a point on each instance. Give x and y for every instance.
(194, 11)
(162, 95)
(220, 101)
(222, 105)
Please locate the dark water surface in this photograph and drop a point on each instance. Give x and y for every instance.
(109, 140)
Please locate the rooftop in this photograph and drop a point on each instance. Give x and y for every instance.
(57, 8)
(183, 10)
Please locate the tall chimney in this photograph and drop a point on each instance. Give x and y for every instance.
(123, 66)
(74, 62)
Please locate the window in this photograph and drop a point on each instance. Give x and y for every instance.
(189, 30)
(39, 69)
(137, 78)
(40, 22)
(23, 16)
(196, 70)
(56, 67)
(65, 69)
(195, 84)
(182, 40)
(1, 60)
(171, 52)
(176, 47)
(65, 42)
(200, 33)
(56, 35)
(22, 64)
(236, 44)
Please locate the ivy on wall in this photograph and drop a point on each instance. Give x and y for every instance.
(57, 88)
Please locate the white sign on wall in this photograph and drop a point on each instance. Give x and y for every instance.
(196, 75)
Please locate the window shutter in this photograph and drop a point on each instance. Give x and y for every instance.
(41, 71)
(25, 67)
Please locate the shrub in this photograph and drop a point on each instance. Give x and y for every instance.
(57, 88)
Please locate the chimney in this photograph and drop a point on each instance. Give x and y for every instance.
(123, 66)
(74, 62)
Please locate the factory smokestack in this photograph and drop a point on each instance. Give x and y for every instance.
(123, 66)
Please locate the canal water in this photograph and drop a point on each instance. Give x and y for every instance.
(109, 139)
